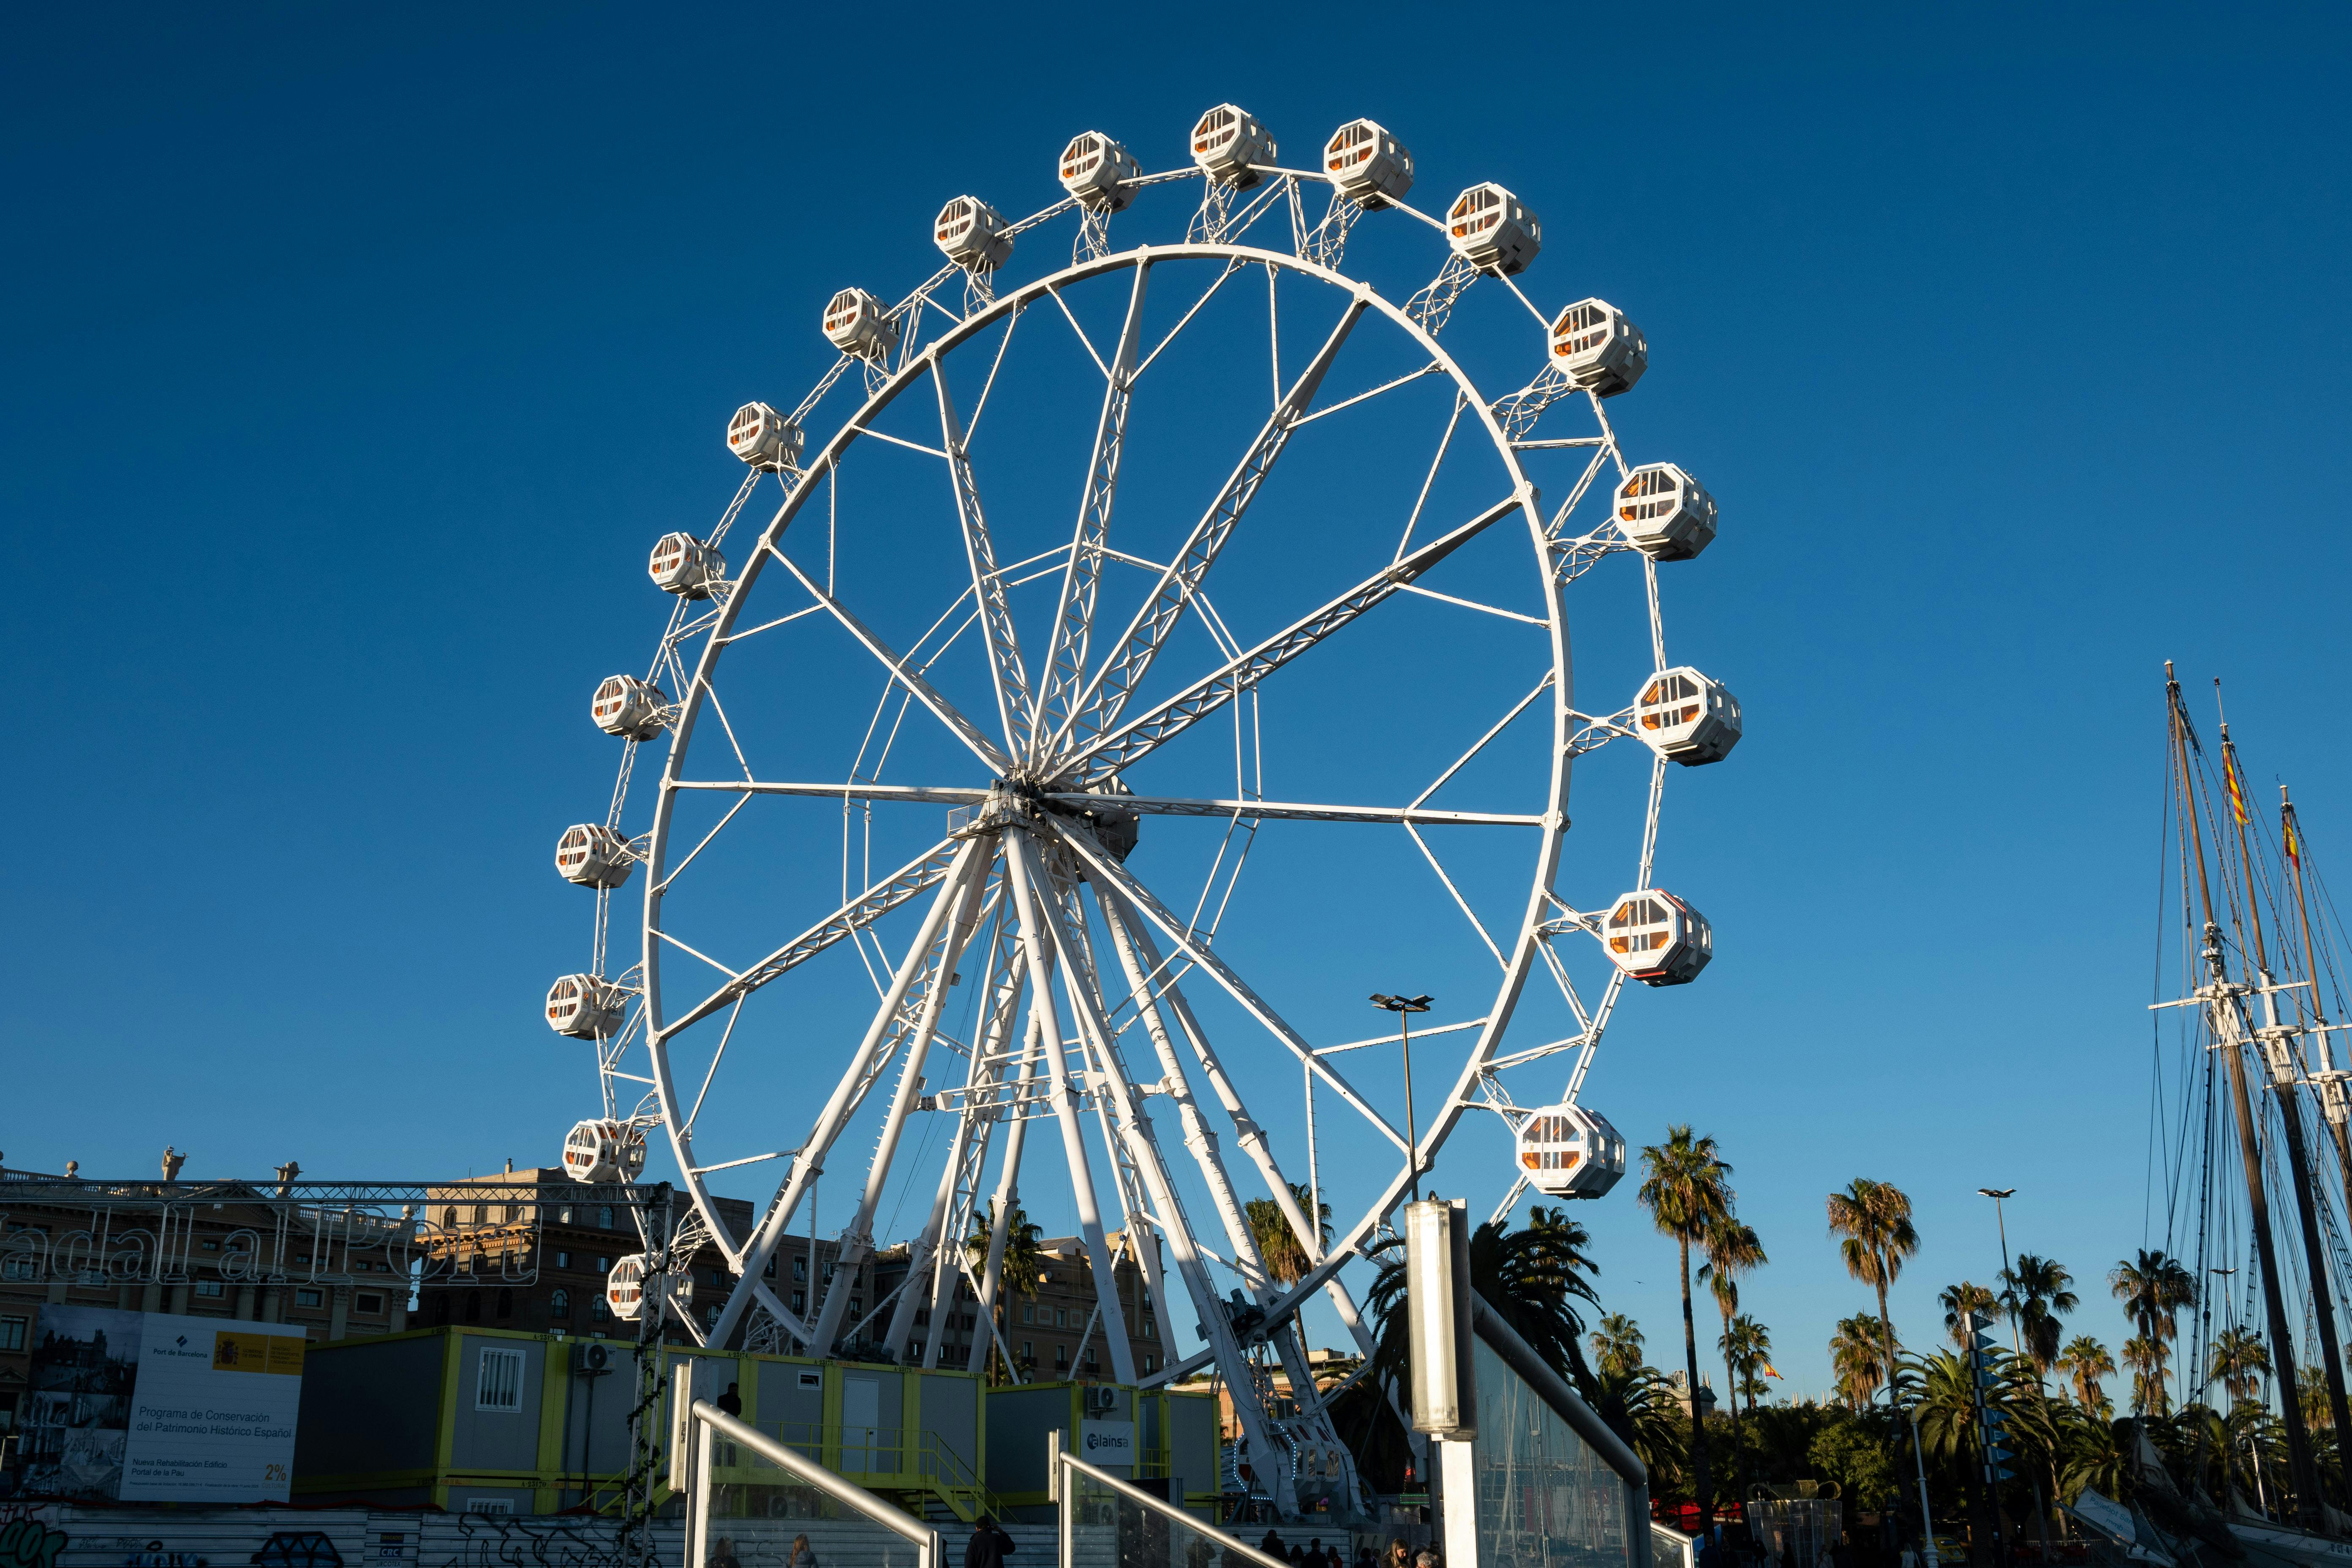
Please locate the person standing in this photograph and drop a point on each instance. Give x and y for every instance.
(989, 1545)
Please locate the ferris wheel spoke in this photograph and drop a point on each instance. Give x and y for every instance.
(1293, 811)
(1106, 694)
(1460, 902)
(1016, 707)
(895, 1022)
(855, 915)
(1066, 664)
(901, 671)
(854, 790)
(1142, 736)
(857, 1240)
(1101, 869)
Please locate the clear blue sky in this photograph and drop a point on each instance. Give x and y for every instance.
(353, 360)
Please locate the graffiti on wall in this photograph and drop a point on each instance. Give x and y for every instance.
(27, 1543)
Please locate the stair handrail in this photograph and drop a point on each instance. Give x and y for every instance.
(928, 1550)
(1062, 1460)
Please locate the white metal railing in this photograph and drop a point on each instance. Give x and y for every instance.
(708, 1421)
(1065, 1473)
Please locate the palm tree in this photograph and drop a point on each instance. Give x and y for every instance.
(1637, 1400)
(2240, 1360)
(2311, 1392)
(2144, 1355)
(1732, 1249)
(1683, 1187)
(1958, 1301)
(2087, 1363)
(1023, 1257)
(1530, 1277)
(2037, 1292)
(1858, 1357)
(1616, 1346)
(1874, 1218)
(2153, 1288)
(1278, 1243)
(1747, 1352)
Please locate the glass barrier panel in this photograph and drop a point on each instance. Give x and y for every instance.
(1109, 1530)
(1546, 1498)
(783, 1523)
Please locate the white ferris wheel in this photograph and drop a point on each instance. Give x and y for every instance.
(1149, 634)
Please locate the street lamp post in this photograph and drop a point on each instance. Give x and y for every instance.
(1404, 1007)
(1993, 1488)
(1997, 1195)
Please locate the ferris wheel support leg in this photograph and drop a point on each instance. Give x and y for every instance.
(967, 1155)
(1030, 895)
(1108, 874)
(1151, 1169)
(1199, 1139)
(857, 1240)
(1008, 1193)
(846, 1094)
(926, 1248)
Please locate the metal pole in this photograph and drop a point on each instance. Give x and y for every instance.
(1411, 1136)
(1926, 1515)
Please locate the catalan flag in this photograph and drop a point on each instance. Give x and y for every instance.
(2229, 779)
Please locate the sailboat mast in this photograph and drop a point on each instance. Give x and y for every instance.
(2226, 1027)
(2331, 1088)
(2285, 1063)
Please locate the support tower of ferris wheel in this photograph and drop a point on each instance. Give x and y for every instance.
(1098, 719)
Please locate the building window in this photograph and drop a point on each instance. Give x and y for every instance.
(914, 1349)
(603, 1265)
(563, 1214)
(211, 1246)
(306, 1297)
(1028, 1351)
(600, 1309)
(1151, 1363)
(12, 1334)
(1150, 1328)
(605, 1218)
(449, 1219)
(499, 1384)
(559, 1303)
(369, 1303)
(800, 1268)
(1061, 1319)
(563, 1260)
(1028, 1313)
(1062, 1358)
(17, 1267)
(208, 1288)
(800, 1301)
(828, 1270)
(770, 1271)
(857, 1306)
(1147, 1297)
(1091, 1359)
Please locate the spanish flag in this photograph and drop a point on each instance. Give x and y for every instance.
(2229, 779)
(2294, 845)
